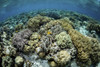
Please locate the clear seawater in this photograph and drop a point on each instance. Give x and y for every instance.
(11, 7)
(15, 12)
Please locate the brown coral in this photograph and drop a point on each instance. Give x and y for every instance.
(87, 49)
(82, 44)
(35, 22)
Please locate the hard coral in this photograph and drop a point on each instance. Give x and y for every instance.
(64, 40)
(87, 49)
(62, 58)
(35, 22)
(95, 27)
(7, 61)
(82, 44)
(20, 38)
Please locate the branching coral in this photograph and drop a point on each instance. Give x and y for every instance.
(20, 38)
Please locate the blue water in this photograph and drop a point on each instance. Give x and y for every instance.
(13, 7)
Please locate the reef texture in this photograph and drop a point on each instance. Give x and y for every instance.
(49, 38)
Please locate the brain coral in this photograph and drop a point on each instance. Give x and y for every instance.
(20, 38)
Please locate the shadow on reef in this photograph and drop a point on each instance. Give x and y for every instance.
(49, 38)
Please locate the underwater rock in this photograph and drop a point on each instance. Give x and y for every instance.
(20, 39)
(7, 61)
(19, 61)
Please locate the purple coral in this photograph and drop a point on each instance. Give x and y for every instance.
(20, 38)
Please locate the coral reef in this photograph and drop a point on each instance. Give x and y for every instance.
(9, 50)
(35, 22)
(85, 47)
(19, 61)
(94, 26)
(7, 61)
(20, 38)
(63, 40)
(49, 38)
(62, 58)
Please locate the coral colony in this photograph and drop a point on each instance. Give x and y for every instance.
(49, 39)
